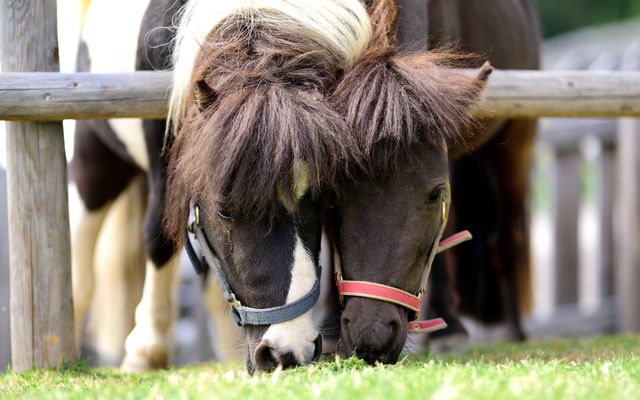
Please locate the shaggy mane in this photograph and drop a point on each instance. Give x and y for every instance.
(393, 102)
(265, 120)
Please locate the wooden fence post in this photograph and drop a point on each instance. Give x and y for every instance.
(566, 203)
(41, 307)
(628, 219)
(5, 332)
(606, 181)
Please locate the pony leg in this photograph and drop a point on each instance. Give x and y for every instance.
(510, 158)
(147, 347)
(228, 340)
(100, 176)
(118, 267)
(442, 301)
(85, 237)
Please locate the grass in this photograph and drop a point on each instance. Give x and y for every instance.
(593, 368)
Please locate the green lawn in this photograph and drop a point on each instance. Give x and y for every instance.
(597, 368)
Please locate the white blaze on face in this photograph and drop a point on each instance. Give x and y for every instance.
(297, 335)
(111, 30)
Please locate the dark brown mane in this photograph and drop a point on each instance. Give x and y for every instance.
(383, 14)
(266, 114)
(392, 102)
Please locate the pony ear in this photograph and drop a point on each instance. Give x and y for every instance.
(484, 72)
(391, 102)
(204, 94)
(446, 95)
(477, 132)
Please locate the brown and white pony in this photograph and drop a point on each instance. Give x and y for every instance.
(253, 141)
(410, 113)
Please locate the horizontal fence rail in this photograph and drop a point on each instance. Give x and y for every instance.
(510, 94)
(54, 97)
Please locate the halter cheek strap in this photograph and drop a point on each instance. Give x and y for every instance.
(400, 297)
(397, 296)
(241, 314)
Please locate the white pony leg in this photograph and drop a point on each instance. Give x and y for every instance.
(228, 343)
(119, 270)
(147, 347)
(85, 236)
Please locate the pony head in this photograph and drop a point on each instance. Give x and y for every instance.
(256, 145)
(407, 112)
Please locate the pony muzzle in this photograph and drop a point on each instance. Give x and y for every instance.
(373, 330)
(267, 356)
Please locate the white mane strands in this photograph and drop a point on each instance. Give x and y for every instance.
(341, 25)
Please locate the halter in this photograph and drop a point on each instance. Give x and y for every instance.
(400, 297)
(243, 315)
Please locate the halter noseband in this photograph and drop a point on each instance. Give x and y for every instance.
(400, 297)
(241, 314)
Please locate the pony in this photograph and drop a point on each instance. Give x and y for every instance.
(250, 148)
(410, 112)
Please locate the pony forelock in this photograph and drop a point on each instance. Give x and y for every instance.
(252, 128)
(342, 25)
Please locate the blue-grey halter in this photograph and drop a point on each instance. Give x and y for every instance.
(241, 314)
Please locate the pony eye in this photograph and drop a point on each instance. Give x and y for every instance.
(224, 214)
(436, 195)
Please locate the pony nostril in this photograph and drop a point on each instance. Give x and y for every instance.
(287, 360)
(394, 325)
(265, 361)
(368, 355)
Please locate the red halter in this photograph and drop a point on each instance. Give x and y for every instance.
(400, 297)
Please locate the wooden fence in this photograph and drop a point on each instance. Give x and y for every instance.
(510, 94)
(609, 267)
(39, 244)
(5, 345)
(41, 307)
(576, 263)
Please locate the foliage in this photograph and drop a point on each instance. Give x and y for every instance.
(564, 15)
(598, 368)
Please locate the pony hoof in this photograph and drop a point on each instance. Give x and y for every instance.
(139, 363)
(456, 344)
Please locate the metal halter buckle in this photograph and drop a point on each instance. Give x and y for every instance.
(397, 296)
(196, 220)
(234, 302)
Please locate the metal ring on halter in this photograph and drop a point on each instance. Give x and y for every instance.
(397, 296)
(243, 315)
(196, 220)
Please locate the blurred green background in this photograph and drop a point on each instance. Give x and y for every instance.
(565, 15)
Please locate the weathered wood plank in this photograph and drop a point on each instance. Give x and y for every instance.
(561, 94)
(5, 332)
(628, 226)
(39, 249)
(53, 97)
(567, 134)
(606, 181)
(566, 200)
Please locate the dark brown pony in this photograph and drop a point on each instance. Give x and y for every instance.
(410, 113)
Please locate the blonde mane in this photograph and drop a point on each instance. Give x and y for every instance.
(341, 25)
